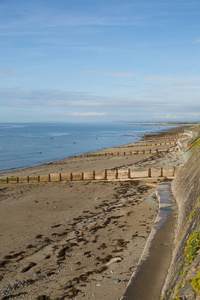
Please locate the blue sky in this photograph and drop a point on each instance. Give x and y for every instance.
(99, 61)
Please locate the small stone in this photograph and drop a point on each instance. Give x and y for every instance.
(98, 284)
(117, 281)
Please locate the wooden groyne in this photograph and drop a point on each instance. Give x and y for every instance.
(116, 174)
(124, 153)
(165, 143)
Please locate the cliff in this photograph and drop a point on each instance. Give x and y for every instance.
(183, 280)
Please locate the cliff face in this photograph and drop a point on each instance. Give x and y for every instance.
(183, 281)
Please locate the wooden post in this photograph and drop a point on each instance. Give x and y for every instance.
(82, 175)
(105, 174)
(116, 174)
(149, 172)
(6, 179)
(49, 179)
(161, 172)
(93, 175)
(71, 176)
(28, 179)
(17, 179)
(38, 178)
(173, 174)
(60, 177)
(129, 173)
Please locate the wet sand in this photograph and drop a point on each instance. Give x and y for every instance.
(75, 240)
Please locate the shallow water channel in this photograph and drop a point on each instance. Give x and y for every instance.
(148, 280)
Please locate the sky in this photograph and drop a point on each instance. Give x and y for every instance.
(99, 61)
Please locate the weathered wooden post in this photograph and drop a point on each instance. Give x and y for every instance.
(173, 174)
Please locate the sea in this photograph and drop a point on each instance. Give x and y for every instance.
(29, 144)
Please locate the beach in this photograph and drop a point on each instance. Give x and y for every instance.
(78, 240)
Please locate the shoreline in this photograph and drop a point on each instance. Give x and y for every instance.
(102, 149)
(73, 240)
(65, 163)
(40, 149)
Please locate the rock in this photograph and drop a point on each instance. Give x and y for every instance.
(98, 284)
(96, 198)
(113, 260)
(117, 281)
(187, 291)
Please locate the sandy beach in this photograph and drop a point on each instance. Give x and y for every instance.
(77, 240)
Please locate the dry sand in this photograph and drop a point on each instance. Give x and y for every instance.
(75, 240)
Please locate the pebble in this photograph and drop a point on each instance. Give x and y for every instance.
(98, 284)
(117, 281)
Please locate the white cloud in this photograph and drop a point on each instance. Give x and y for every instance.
(85, 103)
(176, 81)
(121, 75)
(111, 74)
(86, 114)
(169, 117)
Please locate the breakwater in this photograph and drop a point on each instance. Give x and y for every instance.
(123, 153)
(116, 174)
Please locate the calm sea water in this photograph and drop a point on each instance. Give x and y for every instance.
(25, 145)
